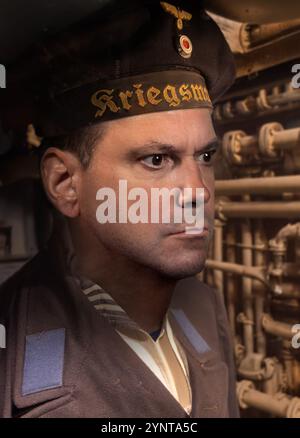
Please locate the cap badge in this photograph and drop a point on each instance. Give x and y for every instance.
(177, 13)
(184, 44)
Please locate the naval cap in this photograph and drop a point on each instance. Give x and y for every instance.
(132, 58)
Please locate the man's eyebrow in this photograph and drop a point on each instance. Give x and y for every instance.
(164, 148)
(153, 147)
(212, 144)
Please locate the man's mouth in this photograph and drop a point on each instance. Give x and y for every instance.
(196, 230)
(191, 231)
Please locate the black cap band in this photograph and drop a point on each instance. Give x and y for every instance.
(130, 96)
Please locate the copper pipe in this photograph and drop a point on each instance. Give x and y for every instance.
(259, 186)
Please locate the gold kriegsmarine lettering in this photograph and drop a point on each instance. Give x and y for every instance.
(170, 96)
(103, 99)
(140, 96)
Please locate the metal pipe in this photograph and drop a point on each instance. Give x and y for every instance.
(234, 268)
(218, 254)
(290, 290)
(259, 289)
(230, 279)
(258, 35)
(286, 139)
(259, 186)
(291, 96)
(276, 328)
(288, 359)
(208, 273)
(291, 270)
(287, 232)
(280, 405)
(265, 210)
(249, 105)
(247, 287)
(249, 144)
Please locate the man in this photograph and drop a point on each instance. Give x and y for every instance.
(109, 319)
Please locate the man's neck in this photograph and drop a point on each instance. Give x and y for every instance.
(140, 291)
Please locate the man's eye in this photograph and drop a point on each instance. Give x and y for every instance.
(156, 161)
(206, 157)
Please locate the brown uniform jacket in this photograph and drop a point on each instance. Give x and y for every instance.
(63, 359)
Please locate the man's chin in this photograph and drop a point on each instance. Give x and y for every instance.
(178, 271)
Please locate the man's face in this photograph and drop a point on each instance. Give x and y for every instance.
(162, 150)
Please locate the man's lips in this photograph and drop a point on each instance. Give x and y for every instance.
(190, 231)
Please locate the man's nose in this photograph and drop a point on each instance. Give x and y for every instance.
(192, 178)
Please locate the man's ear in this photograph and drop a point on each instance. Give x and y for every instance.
(61, 175)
